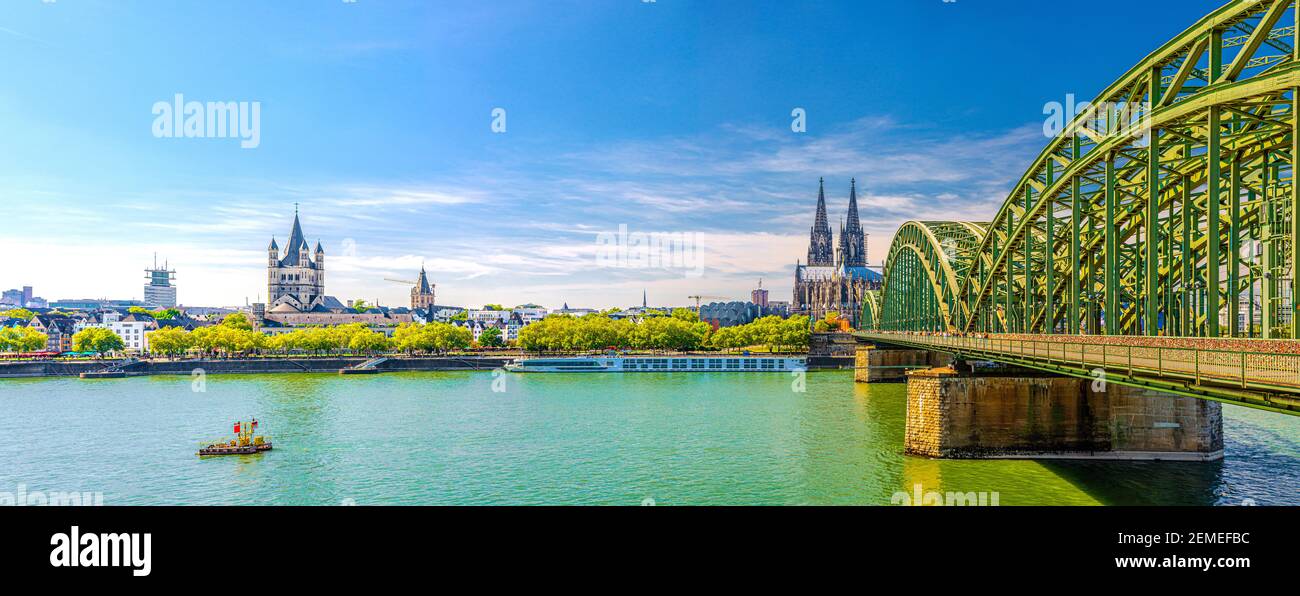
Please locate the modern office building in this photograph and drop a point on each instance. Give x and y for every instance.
(160, 292)
(759, 296)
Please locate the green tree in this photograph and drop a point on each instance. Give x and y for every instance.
(22, 339)
(170, 341)
(162, 314)
(340, 337)
(596, 332)
(449, 337)
(794, 333)
(409, 337)
(360, 306)
(433, 337)
(166, 314)
(490, 338)
(686, 314)
(98, 340)
(31, 340)
(369, 342)
(493, 307)
(721, 338)
(283, 342)
(227, 339)
(668, 333)
(237, 320)
(21, 314)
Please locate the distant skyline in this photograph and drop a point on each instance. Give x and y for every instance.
(377, 117)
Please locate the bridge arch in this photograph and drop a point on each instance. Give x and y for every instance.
(926, 262)
(1168, 210)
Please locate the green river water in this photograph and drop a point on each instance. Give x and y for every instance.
(545, 439)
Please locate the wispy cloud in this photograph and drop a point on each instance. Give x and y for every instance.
(512, 232)
(26, 37)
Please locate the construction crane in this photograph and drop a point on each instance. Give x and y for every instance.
(401, 281)
(704, 297)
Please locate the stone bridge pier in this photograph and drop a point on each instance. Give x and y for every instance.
(877, 364)
(959, 409)
(1008, 412)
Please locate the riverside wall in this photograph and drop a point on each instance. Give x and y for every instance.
(54, 368)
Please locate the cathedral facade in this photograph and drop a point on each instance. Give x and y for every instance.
(834, 280)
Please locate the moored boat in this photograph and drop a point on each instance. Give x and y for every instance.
(707, 363)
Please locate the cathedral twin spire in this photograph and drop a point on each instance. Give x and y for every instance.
(852, 249)
(853, 241)
(820, 247)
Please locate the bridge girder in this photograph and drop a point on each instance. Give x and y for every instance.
(922, 274)
(1168, 206)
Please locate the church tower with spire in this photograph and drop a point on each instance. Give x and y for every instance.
(296, 280)
(820, 245)
(422, 293)
(853, 242)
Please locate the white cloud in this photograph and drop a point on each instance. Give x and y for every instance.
(510, 232)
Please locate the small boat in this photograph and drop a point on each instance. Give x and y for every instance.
(244, 443)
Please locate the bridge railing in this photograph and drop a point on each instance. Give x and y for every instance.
(1255, 370)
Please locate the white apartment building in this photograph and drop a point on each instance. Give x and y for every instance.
(531, 315)
(134, 333)
(489, 316)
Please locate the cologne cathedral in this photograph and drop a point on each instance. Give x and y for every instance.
(834, 280)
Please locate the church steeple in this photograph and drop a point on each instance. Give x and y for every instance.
(853, 246)
(854, 223)
(296, 251)
(821, 221)
(820, 247)
(295, 279)
(422, 294)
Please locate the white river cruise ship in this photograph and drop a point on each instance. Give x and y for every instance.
(659, 364)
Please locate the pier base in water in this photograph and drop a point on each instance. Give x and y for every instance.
(970, 415)
(881, 365)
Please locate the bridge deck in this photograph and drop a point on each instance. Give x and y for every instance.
(1264, 375)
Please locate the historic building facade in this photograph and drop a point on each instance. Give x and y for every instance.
(296, 293)
(834, 280)
(422, 293)
(297, 279)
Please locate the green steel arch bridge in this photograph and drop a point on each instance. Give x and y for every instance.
(1153, 238)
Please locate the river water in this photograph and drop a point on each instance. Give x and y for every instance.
(544, 439)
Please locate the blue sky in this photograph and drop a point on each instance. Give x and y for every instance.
(671, 116)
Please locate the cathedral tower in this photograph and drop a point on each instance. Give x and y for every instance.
(820, 246)
(835, 280)
(853, 242)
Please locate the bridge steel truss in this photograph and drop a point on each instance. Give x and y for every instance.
(1168, 209)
